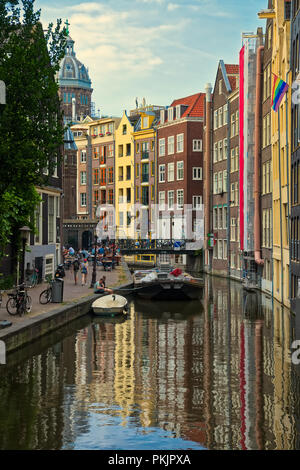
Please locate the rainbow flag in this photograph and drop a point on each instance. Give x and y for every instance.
(279, 89)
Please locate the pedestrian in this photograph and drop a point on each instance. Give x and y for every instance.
(84, 271)
(99, 287)
(76, 267)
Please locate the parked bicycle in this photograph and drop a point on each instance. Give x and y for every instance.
(46, 295)
(19, 302)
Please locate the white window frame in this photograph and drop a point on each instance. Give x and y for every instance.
(171, 192)
(83, 178)
(82, 156)
(197, 201)
(171, 172)
(197, 145)
(170, 114)
(180, 168)
(171, 145)
(162, 172)
(162, 116)
(81, 199)
(181, 192)
(162, 196)
(197, 173)
(162, 147)
(180, 143)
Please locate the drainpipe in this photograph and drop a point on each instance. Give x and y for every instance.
(257, 219)
(208, 90)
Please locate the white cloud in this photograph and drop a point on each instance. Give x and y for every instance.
(173, 6)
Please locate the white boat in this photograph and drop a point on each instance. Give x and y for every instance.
(110, 305)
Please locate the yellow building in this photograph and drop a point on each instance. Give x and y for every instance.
(281, 130)
(124, 177)
(281, 160)
(145, 177)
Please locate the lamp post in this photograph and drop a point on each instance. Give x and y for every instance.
(94, 274)
(24, 231)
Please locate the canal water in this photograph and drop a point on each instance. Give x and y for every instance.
(215, 374)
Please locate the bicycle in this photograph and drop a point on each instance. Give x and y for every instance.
(46, 295)
(19, 302)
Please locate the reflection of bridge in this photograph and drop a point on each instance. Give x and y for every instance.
(158, 246)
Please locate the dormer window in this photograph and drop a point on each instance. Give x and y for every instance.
(178, 111)
(162, 116)
(170, 114)
(145, 122)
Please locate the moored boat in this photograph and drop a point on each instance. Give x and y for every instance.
(110, 305)
(167, 285)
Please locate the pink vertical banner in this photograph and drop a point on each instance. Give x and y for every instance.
(241, 119)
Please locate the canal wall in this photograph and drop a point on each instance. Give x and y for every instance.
(33, 328)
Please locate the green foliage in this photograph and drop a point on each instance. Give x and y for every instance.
(6, 282)
(31, 126)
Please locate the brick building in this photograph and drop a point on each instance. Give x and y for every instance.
(224, 118)
(180, 165)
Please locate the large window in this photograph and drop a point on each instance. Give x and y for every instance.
(179, 143)
(162, 173)
(162, 200)
(171, 145)
(83, 199)
(162, 147)
(180, 171)
(197, 145)
(197, 173)
(83, 156)
(180, 199)
(197, 202)
(51, 221)
(83, 177)
(170, 200)
(170, 171)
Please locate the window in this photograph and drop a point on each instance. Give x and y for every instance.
(170, 145)
(197, 202)
(224, 189)
(162, 200)
(197, 173)
(162, 147)
(111, 150)
(220, 182)
(103, 176)
(83, 156)
(220, 150)
(224, 249)
(216, 119)
(180, 199)
(232, 194)
(225, 149)
(232, 125)
(128, 195)
(121, 219)
(215, 152)
(145, 122)
(124, 130)
(137, 194)
(220, 117)
(96, 196)
(137, 148)
(121, 175)
(220, 87)
(179, 143)
(215, 218)
(83, 199)
(162, 173)
(83, 177)
(110, 196)
(110, 175)
(232, 161)
(180, 171)
(236, 195)
(220, 218)
(224, 217)
(137, 170)
(162, 116)
(215, 183)
(170, 114)
(197, 145)
(152, 168)
(220, 249)
(103, 155)
(120, 151)
(225, 114)
(128, 172)
(233, 229)
(128, 150)
(170, 200)
(171, 172)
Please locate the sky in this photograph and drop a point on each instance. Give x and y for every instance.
(159, 50)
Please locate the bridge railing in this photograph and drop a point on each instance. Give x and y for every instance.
(156, 244)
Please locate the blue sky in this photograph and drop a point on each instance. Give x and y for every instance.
(157, 49)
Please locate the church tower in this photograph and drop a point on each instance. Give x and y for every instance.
(75, 86)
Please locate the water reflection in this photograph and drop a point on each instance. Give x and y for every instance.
(215, 374)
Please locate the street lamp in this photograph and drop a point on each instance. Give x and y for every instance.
(24, 233)
(94, 274)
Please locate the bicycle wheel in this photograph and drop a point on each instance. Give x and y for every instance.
(28, 304)
(45, 296)
(11, 306)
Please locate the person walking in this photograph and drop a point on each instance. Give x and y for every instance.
(84, 271)
(76, 267)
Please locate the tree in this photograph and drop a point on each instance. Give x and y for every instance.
(31, 124)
